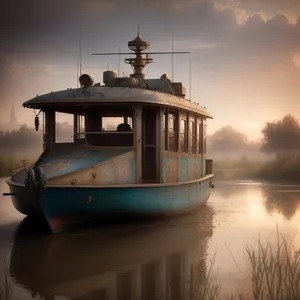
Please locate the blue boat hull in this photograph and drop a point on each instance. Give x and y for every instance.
(62, 206)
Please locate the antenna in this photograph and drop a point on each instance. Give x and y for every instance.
(190, 76)
(152, 53)
(77, 73)
(173, 46)
(80, 48)
(119, 62)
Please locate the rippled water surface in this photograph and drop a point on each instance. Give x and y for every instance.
(169, 259)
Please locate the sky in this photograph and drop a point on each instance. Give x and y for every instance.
(245, 54)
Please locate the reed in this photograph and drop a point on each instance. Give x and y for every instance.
(275, 271)
(6, 288)
(204, 286)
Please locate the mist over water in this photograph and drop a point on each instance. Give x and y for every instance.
(150, 258)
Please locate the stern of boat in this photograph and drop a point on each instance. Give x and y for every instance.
(25, 190)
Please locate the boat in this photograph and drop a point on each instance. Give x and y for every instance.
(116, 262)
(138, 150)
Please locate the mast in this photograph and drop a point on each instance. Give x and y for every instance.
(141, 59)
(80, 50)
(139, 62)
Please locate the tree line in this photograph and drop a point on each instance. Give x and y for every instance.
(235, 157)
(280, 138)
(276, 156)
(26, 138)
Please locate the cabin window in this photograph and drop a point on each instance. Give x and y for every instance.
(64, 128)
(192, 142)
(200, 136)
(110, 126)
(173, 132)
(183, 135)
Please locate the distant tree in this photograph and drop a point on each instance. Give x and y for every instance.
(26, 138)
(227, 139)
(20, 139)
(281, 137)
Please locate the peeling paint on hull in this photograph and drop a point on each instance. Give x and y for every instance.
(65, 206)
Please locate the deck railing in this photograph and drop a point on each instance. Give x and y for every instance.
(16, 169)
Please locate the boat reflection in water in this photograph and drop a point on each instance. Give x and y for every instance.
(165, 260)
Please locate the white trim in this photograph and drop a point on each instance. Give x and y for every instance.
(125, 95)
(145, 185)
(10, 182)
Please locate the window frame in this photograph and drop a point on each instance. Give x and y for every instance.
(199, 136)
(192, 135)
(172, 114)
(183, 136)
(69, 137)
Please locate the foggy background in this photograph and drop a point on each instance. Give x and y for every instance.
(245, 54)
(245, 60)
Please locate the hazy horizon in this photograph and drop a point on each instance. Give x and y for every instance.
(245, 54)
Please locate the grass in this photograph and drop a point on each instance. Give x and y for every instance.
(278, 170)
(236, 169)
(6, 289)
(274, 273)
(206, 287)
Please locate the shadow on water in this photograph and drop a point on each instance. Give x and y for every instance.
(161, 260)
(285, 202)
(32, 227)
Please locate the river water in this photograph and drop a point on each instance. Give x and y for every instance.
(167, 259)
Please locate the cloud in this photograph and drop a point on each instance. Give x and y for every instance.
(245, 54)
(269, 8)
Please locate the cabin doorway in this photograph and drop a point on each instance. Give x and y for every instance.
(150, 137)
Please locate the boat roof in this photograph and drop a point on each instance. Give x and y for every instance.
(98, 95)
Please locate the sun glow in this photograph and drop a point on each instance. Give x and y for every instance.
(296, 60)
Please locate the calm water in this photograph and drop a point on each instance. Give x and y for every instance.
(153, 260)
